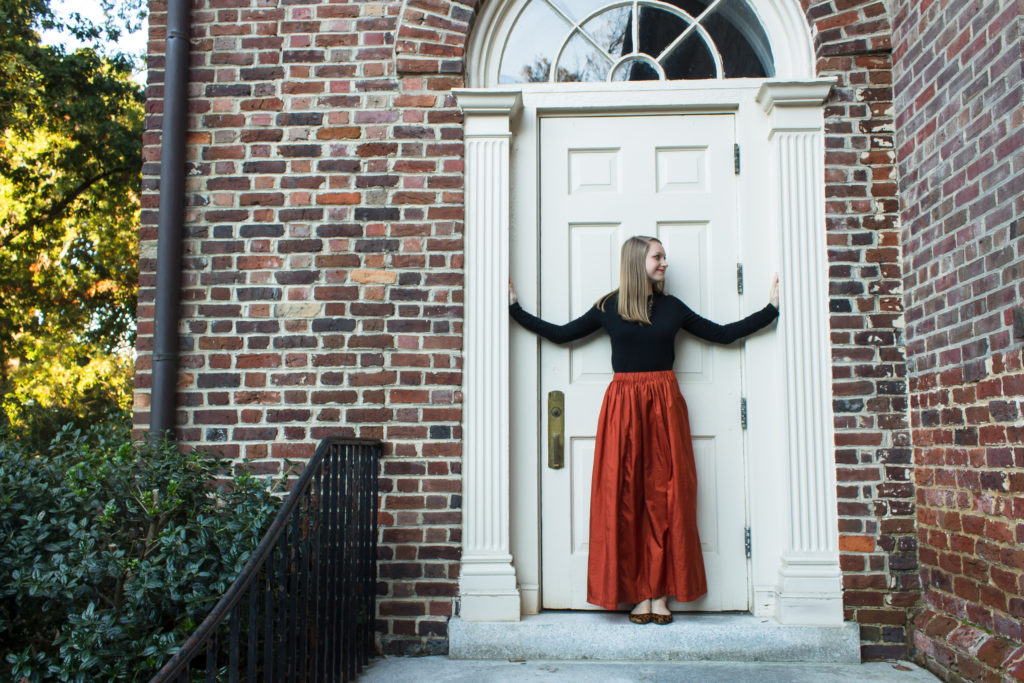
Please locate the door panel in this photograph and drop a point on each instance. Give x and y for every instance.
(594, 267)
(602, 180)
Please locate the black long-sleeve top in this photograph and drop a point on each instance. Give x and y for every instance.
(645, 348)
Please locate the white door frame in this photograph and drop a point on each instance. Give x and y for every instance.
(795, 566)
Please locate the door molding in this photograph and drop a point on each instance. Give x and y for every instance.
(795, 568)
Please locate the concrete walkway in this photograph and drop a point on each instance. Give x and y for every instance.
(430, 669)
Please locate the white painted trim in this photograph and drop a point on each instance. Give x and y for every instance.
(780, 130)
(807, 590)
(487, 581)
(810, 581)
(795, 105)
(790, 36)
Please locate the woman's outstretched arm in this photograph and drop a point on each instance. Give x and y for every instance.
(727, 334)
(559, 334)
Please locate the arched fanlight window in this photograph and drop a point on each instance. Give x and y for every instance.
(635, 40)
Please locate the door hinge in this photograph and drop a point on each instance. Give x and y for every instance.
(739, 278)
(736, 158)
(743, 413)
(746, 540)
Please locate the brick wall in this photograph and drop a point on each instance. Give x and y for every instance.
(323, 269)
(874, 476)
(323, 275)
(959, 117)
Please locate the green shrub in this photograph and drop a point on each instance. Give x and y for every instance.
(113, 551)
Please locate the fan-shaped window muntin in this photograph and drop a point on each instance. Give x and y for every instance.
(581, 40)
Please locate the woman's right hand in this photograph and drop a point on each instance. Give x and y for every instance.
(512, 298)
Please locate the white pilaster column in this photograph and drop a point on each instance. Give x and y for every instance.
(487, 583)
(810, 582)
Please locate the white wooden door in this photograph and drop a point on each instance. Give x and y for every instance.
(602, 180)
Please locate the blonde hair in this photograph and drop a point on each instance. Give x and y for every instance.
(634, 286)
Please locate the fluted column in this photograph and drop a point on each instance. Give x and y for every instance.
(810, 581)
(487, 583)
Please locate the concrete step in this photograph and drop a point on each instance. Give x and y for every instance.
(609, 636)
(430, 669)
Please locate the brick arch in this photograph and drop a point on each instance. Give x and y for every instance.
(431, 36)
(845, 27)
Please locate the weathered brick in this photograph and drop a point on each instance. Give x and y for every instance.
(959, 318)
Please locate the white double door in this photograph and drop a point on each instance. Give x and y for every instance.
(602, 180)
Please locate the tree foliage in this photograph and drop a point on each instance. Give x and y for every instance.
(70, 169)
(114, 552)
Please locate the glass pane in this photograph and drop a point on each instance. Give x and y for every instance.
(581, 61)
(532, 44)
(690, 60)
(635, 70)
(577, 9)
(740, 59)
(611, 29)
(693, 7)
(658, 29)
(738, 35)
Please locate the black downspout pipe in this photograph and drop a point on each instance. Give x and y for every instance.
(170, 227)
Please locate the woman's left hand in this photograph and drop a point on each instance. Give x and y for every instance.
(773, 296)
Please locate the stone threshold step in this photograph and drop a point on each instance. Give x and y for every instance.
(609, 636)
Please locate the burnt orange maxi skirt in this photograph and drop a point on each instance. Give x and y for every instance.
(643, 504)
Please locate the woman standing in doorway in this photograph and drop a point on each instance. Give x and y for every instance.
(643, 506)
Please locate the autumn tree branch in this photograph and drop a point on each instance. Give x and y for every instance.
(59, 207)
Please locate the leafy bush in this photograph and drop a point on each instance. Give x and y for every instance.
(113, 551)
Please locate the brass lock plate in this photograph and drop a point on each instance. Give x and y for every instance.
(556, 430)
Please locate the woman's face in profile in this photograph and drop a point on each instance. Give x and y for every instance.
(656, 262)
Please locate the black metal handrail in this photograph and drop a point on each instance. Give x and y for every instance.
(303, 606)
